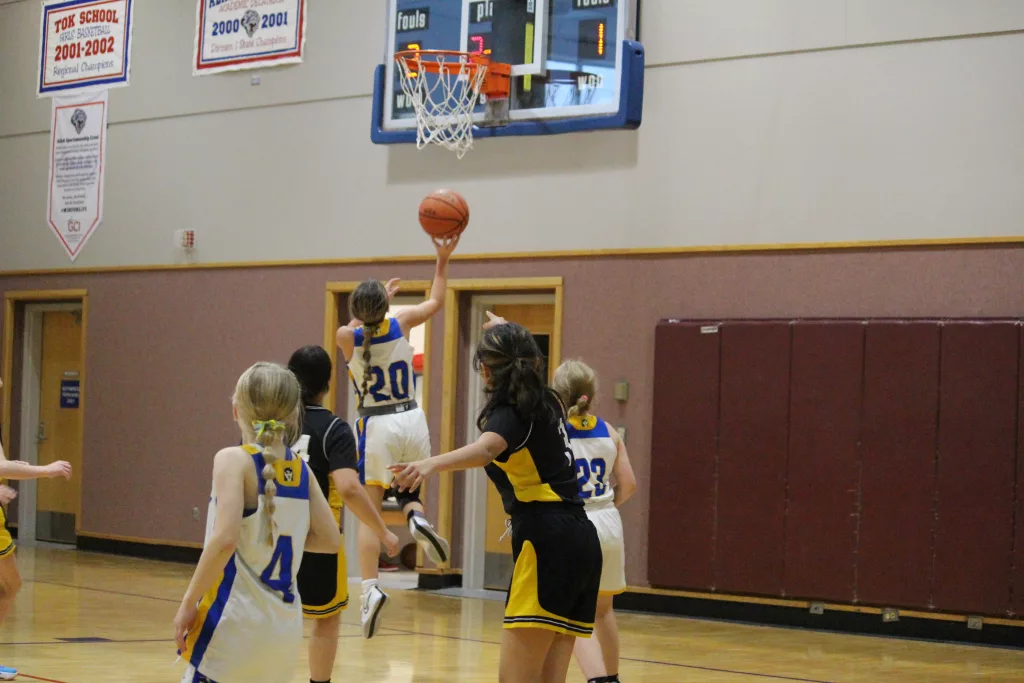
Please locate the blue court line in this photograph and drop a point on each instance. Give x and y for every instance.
(395, 631)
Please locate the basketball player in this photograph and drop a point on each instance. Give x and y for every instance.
(329, 447)
(240, 621)
(525, 451)
(10, 579)
(391, 427)
(599, 452)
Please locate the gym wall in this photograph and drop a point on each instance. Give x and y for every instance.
(756, 131)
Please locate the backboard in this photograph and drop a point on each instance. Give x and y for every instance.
(576, 64)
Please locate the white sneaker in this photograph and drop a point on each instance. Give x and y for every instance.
(8, 674)
(371, 603)
(436, 548)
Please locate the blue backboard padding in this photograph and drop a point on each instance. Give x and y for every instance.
(629, 115)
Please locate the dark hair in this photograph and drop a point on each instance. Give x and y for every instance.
(511, 355)
(312, 366)
(368, 303)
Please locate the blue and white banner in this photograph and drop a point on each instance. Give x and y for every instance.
(248, 34)
(85, 44)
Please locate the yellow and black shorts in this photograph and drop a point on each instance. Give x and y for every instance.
(557, 572)
(323, 581)
(6, 542)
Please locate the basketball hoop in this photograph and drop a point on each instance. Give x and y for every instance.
(444, 88)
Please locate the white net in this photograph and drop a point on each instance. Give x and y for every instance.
(443, 98)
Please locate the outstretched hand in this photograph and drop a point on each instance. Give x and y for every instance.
(409, 476)
(445, 246)
(494, 321)
(392, 287)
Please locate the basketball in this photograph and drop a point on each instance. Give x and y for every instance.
(444, 214)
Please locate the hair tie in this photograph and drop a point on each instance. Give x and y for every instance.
(263, 425)
(584, 399)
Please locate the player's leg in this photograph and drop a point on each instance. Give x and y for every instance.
(523, 654)
(377, 444)
(417, 447)
(323, 585)
(598, 656)
(323, 648)
(10, 584)
(556, 663)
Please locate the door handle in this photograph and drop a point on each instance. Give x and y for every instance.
(41, 432)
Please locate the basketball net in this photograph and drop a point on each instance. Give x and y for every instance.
(444, 93)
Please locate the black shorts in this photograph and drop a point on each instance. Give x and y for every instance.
(557, 572)
(323, 584)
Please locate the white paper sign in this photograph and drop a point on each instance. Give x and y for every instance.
(78, 140)
(85, 44)
(248, 34)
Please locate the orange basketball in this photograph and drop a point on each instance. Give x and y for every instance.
(444, 213)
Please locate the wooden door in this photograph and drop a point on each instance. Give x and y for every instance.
(539, 319)
(60, 424)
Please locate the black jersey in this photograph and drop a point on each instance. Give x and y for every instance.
(537, 466)
(330, 446)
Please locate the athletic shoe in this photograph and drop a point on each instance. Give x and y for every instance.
(436, 548)
(371, 604)
(8, 674)
(385, 566)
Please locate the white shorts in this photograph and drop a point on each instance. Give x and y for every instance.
(385, 440)
(609, 531)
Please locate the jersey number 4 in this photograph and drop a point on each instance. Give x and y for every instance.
(596, 469)
(281, 564)
(398, 373)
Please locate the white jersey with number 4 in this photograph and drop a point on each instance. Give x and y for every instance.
(391, 374)
(595, 451)
(249, 628)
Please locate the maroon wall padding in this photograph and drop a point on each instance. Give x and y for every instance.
(977, 468)
(753, 435)
(899, 438)
(684, 448)
(824, 460)
(1018, 546)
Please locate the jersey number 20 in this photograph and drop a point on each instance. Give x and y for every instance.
(281, 564)
(398, 373)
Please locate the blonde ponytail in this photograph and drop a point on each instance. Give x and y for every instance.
(368, 332)
(270, 436)
(576, 384)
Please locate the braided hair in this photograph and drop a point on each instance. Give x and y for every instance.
(368, 303)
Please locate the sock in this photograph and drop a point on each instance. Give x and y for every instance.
(368, 584)
(415, 513)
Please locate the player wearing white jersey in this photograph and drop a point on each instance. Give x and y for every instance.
(241, 620)
(600, 454)
(392, 428)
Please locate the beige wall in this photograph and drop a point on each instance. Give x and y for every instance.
(165, 348)
(891, 141)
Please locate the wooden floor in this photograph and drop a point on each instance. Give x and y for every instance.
(429, 638)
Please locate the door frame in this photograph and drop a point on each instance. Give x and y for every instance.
(450, 366)
(332, 321)
(41, 296)
(31, 358)
(474, 518)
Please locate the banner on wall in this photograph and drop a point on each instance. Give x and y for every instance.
(78, 139)
(85, 44)
(248, 34)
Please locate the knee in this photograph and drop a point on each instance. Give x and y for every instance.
(604, 606)
(327, 627)
(9, 587)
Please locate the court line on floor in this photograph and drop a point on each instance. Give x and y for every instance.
(774, 677)
(694, 667)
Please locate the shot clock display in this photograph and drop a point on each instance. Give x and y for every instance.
(594, 40)
(480, 43)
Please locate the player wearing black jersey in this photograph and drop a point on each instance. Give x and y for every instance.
(524, 448)
(329, 447)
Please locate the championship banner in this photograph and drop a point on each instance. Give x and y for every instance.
(78, 140)
(248, 34)
(85, 44)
